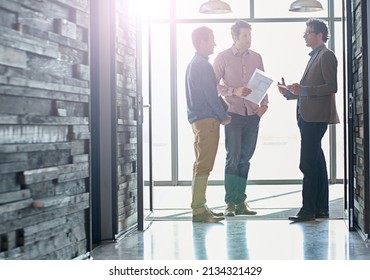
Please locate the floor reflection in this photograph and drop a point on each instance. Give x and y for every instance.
(239, 239)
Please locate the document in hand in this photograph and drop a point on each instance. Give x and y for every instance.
(259, 83)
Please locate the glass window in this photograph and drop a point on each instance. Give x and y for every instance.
(280, 9)
(277, 153)
(145, 93)
(278, 146)
(337, 8)
(284, 54)
(158, 9)
(161, 108)
(189, 10)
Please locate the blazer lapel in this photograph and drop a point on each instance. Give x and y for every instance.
(311, 61)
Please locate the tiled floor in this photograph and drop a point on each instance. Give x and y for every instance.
(230, 240)
(267, 236)
(271, 201)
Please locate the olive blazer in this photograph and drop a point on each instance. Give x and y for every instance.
(320, 79)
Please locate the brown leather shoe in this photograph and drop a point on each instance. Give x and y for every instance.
(206, 217)
(230, 210)
(216, 214)
(243, 209)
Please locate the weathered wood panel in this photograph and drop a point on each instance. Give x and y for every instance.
(14, 196)
(42, 93)
(44, 112)
(13, 134)
(8, 182)
(12, 57)
(11, 221)
(126, 100)
(71, 187)
(28, 43)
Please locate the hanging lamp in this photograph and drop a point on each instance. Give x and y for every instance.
(214, 7)
(305, 6)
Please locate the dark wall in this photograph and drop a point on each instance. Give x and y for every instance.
(127, 101)
(46, 119)
(44, 129)
(360, 113)
(113, 118)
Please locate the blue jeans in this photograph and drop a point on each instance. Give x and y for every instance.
(240, 141)
(315, 189)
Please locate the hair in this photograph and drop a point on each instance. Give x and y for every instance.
(200, 34)
(239, 24)
(319, 26)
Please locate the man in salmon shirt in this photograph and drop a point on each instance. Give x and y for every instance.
(233, 68)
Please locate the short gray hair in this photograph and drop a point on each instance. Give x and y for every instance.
(200, 34)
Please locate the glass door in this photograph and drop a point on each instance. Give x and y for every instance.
(348, 115)
(144, 131)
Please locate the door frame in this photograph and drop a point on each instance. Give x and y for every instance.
(103, 122)
(144, 214)
(348, 113)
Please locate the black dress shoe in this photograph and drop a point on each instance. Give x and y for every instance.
(302, 217)
(322, 214)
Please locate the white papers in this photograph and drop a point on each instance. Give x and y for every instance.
(259, 84)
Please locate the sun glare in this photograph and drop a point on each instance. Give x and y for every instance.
(149, 9)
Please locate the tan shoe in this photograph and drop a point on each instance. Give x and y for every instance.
(230, 210)
(206, 217)
(243, 209)
(216, 214)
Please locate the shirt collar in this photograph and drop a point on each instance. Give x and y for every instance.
(235, 50)
(201, 55)
(315, 50)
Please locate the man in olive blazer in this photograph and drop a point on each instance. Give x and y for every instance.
(316, 109)
(320, 79)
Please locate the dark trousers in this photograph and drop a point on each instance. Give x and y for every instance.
(315, 190)
(240, 142)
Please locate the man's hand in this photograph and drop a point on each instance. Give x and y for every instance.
(282, 86)
(241, 91)
(295, 88)
(227, 121)
(261, 110)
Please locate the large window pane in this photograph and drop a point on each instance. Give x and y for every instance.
(145, 93)
(189, 10)
(277, 153)
(158, 9)
(161, 108)
(337, 8)
(278, 147)
(280, 9)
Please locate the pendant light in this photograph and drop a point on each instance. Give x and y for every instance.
(214, 7)
(306, 6)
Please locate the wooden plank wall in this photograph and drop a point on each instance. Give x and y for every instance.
(44, 128)
(360, 118)
(126, 115)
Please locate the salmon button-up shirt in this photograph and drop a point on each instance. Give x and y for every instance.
(234, 70)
